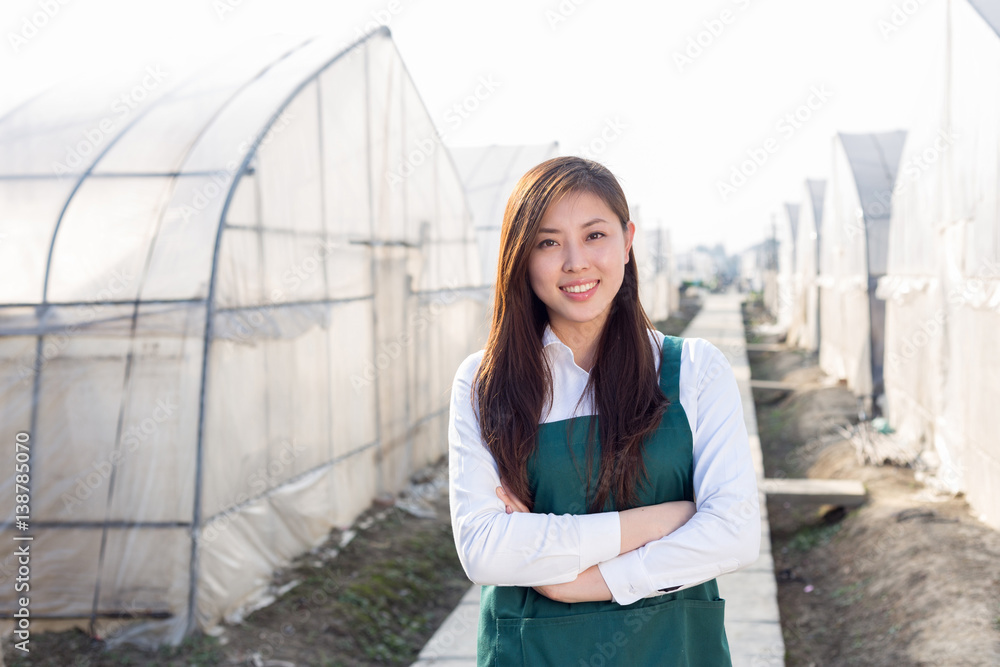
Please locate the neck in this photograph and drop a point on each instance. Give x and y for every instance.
(581, 338)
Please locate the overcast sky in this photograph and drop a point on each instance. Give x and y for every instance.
(672, 96)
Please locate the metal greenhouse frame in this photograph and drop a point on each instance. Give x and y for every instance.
(226, 327)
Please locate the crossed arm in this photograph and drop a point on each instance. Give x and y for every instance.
(625, 555)
(639, 526)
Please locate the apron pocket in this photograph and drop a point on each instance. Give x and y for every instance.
(680, 632)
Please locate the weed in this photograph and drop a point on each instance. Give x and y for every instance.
(811, 537)
(849, 594)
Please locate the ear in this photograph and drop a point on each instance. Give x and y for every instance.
(629, 235)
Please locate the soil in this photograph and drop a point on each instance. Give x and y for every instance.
(372, 595)
(909, 578)
(680, 318)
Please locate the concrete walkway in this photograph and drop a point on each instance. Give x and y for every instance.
(751, 594)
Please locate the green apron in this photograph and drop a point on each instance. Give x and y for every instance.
(518, 626)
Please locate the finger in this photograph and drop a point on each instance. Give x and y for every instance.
(502, 495)
(518, 505)
(510, 496)
(506, 496)
(510, 499)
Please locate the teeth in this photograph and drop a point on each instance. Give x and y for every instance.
(576, 289)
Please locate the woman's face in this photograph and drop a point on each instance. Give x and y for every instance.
(578, 261)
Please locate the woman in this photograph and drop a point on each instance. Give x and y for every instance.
(584, 531)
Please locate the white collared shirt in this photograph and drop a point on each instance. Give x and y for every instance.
(523, 549)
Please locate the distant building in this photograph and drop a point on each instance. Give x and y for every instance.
(803, 331)
(697, 266)
(757, 266)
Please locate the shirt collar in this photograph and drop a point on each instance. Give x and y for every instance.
(564, 358)
(549, 337)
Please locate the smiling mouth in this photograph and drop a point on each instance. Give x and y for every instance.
(578, 289)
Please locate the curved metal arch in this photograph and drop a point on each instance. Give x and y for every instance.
(43, 305)
(127, 379)
(210, 305)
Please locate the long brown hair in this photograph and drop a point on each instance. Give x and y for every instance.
(514, 379)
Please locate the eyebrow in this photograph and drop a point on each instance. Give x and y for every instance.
(546, 230)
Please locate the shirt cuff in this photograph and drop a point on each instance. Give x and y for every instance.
(626, 578)
(600, 538)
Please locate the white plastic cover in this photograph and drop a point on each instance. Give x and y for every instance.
(785, 234)
(658, 280)
(942, 371)
(853, 255)
(803, 332)
(489, 174)
(226, 332)
(753, 264)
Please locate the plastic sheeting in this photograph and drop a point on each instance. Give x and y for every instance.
(757, 272)
(803, 331)
(785, 234)
(226, 330)
(942, 373)
(658, 279)
(855, 237)
(489, 174)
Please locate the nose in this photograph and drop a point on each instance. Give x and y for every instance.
(575, 259)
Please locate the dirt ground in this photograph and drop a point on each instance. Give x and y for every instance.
(372, 595)
(679, 319)
(909, 578)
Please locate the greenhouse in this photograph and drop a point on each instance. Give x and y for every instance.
(803, 332)
(942, 373)
(756, 272)
(855, 233)
(228, 323)
(489, 174)
(659, 282)
(785, 232)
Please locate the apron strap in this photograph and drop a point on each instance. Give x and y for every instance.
(670, 368)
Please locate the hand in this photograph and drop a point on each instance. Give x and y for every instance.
(589, 586)
(510, 501)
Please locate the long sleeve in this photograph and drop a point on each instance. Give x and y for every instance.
(724, 534)
(518, 549)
